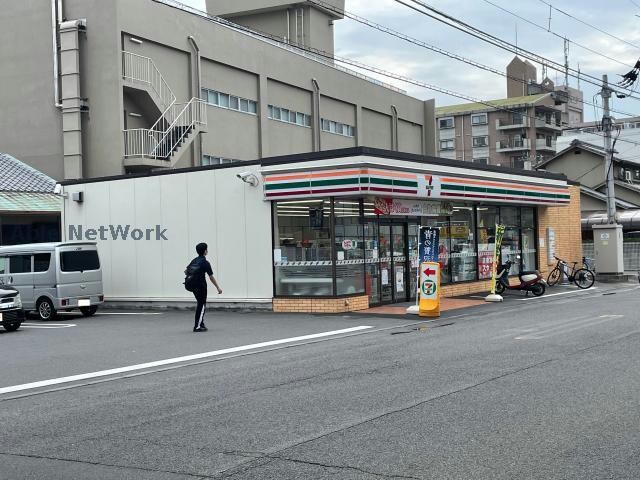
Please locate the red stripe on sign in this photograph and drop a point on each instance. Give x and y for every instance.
(337, 190)
(284, 194)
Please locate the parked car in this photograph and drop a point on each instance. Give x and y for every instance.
(11, 313)
(53, 277)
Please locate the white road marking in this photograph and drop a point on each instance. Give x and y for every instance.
(48, 325)
(560, 293)
(116, 313)
(566, 328)
(169, 361)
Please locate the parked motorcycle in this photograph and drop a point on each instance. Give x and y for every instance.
(530, 281)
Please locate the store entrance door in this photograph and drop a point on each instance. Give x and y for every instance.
(393, 262)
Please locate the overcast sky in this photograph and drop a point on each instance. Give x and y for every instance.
(619, 18)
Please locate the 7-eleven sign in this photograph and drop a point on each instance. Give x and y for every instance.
(430, 289)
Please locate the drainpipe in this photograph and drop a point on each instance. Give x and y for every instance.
(463, 139)
(394, 128)
(317, 127)
(196, 158)
(56, 20)
(288, 26)
(72, 102)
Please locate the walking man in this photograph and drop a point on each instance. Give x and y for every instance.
(197, 269)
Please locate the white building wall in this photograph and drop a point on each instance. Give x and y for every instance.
(211, 206)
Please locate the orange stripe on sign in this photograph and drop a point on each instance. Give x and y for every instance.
(386, 173)
(308, 175)
(497, 184)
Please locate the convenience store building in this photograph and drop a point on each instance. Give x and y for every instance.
(329, 231)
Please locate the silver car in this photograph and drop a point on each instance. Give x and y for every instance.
(53, 277)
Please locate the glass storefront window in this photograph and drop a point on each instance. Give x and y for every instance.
(350, 278)
(463, 263)
(528, 239)
(487, 219)
(302, 248)
(444, 247)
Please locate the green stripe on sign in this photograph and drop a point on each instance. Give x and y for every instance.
(337, 181)
(284, 186)
(364, 179)
(405, 183)
(499, 191)
(381, 181)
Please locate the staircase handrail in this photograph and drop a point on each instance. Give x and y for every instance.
(197, 118)
(149, 74)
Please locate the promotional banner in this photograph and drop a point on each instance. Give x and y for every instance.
(428, 245)
(411, 208)
(496, 251)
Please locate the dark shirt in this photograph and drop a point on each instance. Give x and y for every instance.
(204, 267)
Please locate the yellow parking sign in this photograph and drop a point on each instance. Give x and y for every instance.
(429, 289)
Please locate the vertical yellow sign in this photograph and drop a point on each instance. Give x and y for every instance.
(429, 289)
(496, 254)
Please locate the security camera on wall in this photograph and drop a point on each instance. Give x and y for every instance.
(249, 177)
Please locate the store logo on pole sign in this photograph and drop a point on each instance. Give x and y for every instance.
(429, 283)
(411, 208)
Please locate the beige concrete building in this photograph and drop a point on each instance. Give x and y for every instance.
(101, 88)
(514, 132)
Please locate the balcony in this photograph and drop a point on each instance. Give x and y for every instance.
(548, 124)
(514, 123)
(544, 144)
(512, 145)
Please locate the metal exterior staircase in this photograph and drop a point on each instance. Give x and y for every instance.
(162, 144)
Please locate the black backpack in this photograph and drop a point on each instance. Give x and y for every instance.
(191, 276)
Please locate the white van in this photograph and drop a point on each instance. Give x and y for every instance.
(54, 277)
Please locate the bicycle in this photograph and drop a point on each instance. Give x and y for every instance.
(582, 277)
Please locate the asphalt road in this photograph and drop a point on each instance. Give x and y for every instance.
(543, 388)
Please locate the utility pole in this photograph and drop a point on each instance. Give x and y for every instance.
(607, 238)
(607, 127)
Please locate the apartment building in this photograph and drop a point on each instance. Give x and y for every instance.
(101, 88)
(513, 132)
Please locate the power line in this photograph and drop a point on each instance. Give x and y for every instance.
(493, 40)
(588, 24)
(634, 3)
(354, 63)
(435, 49)
(499, 7)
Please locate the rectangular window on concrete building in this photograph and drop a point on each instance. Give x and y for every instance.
(302, 248)
(289, 116)
(349, 231)
(231, 102)
(447, 144)
(446, 123)
(482, 141)
(337, 128)
(480, 119)
(481, 160)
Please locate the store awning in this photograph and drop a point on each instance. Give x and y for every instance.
(366, 175)
(29, 202)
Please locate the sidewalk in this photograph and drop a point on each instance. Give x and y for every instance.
(445, 305)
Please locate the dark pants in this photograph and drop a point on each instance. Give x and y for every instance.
(201, 297)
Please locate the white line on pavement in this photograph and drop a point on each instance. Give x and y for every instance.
(567, 328)
(48, 325)
(169, 361)
(560, 293)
